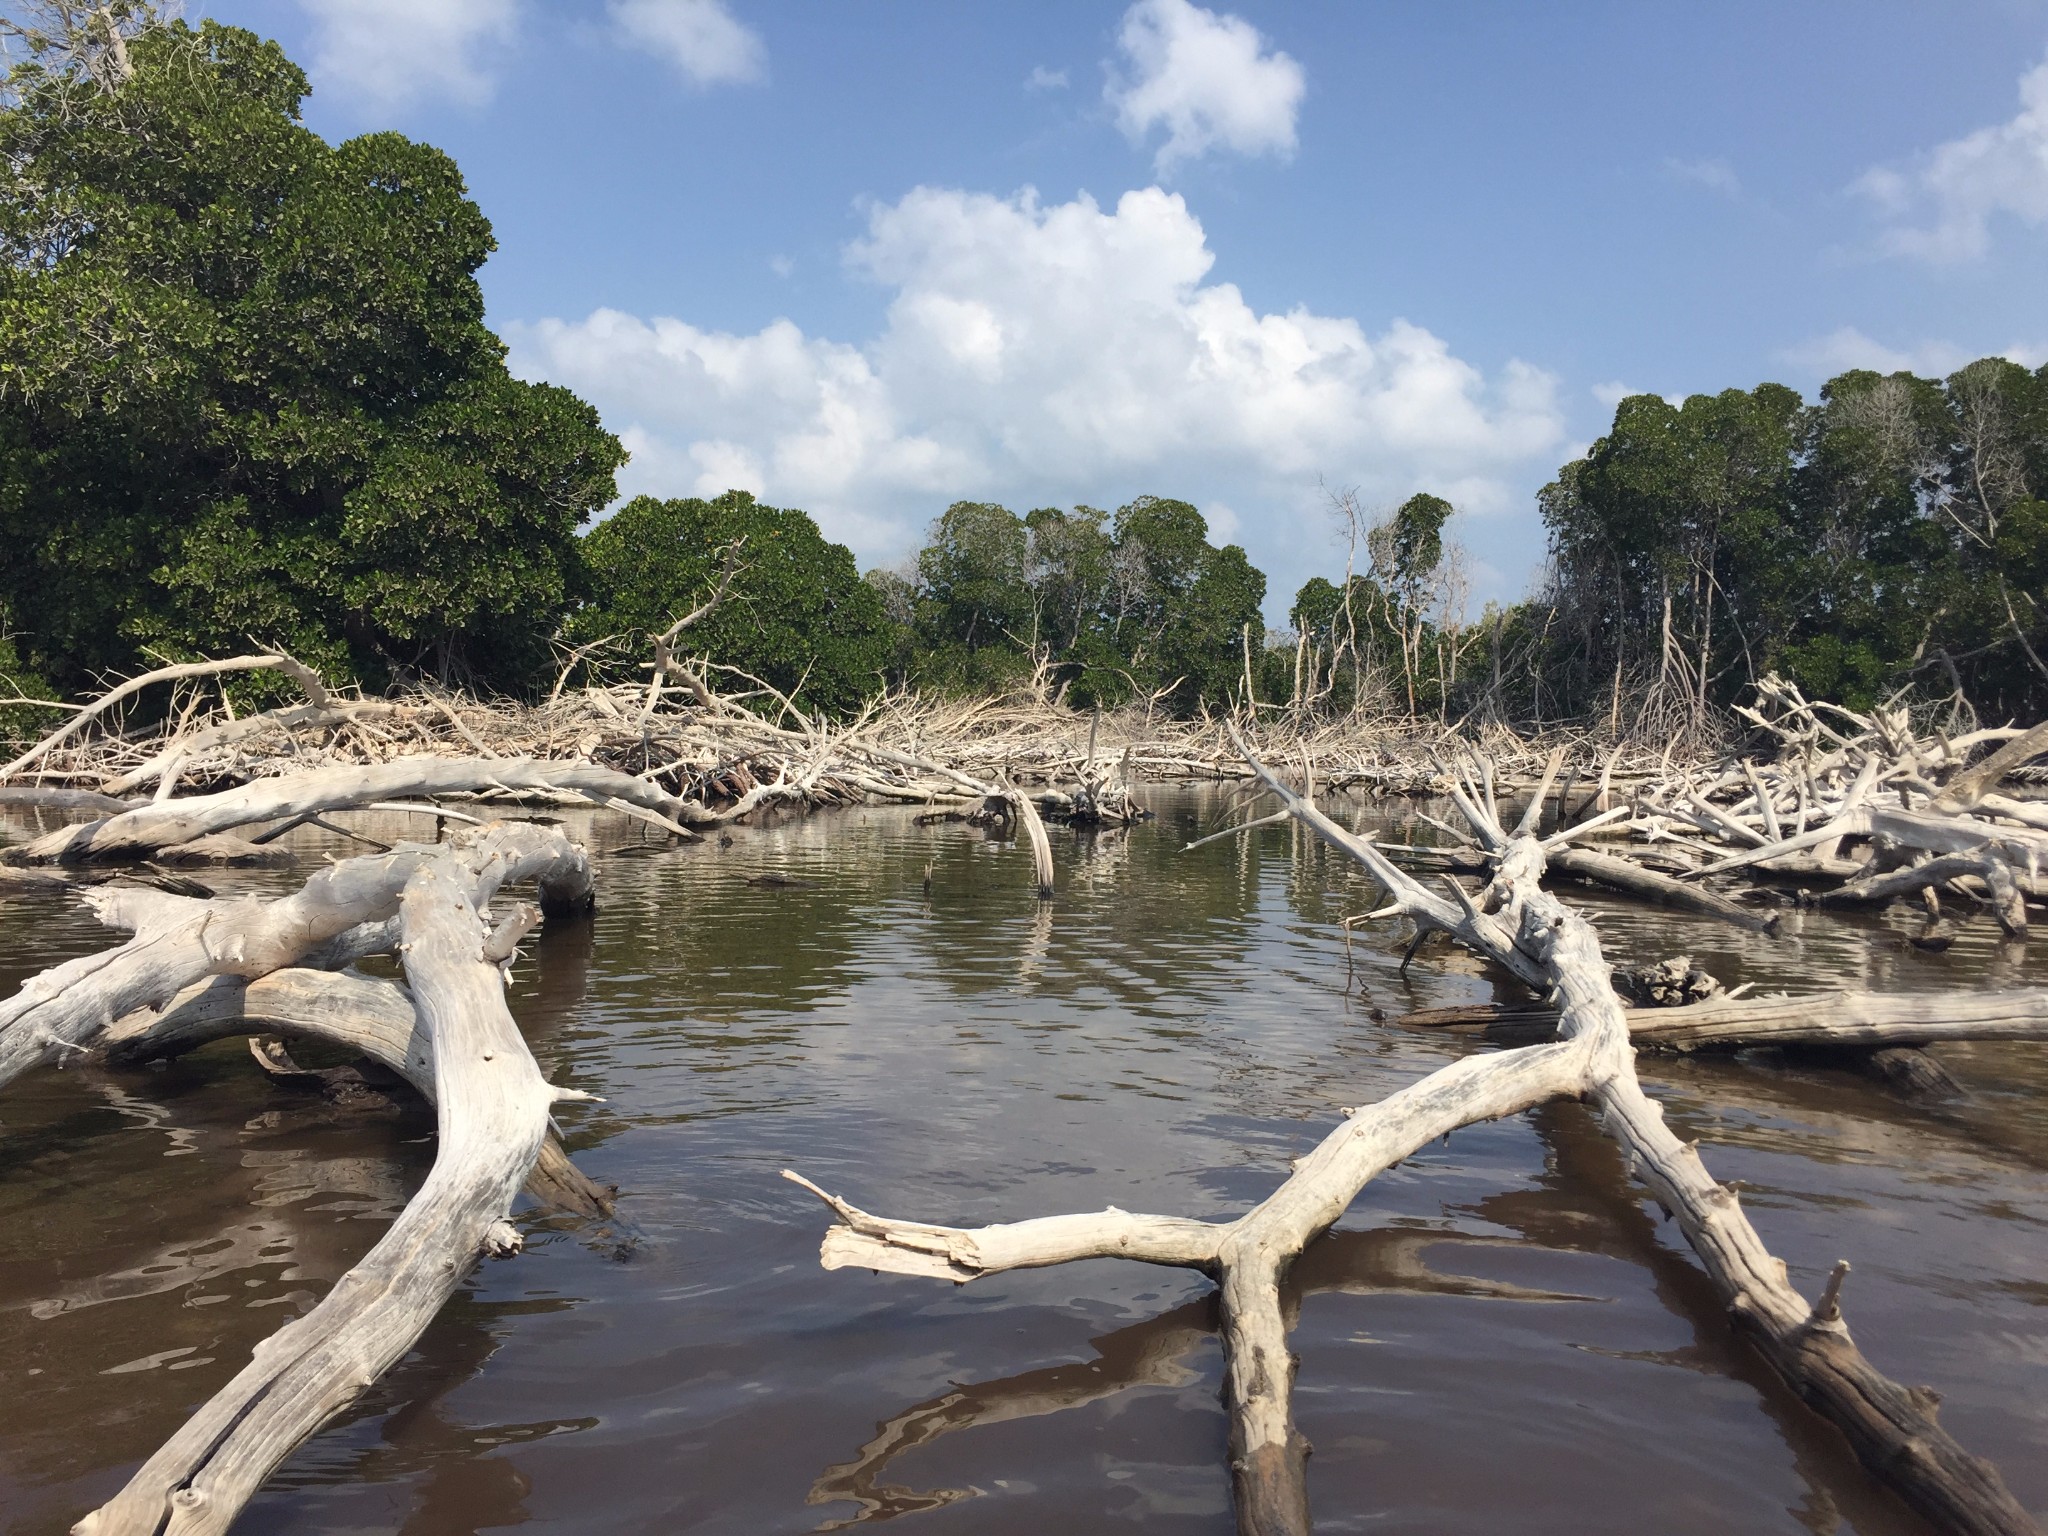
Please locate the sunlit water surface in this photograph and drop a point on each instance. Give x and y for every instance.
(1503, 1334)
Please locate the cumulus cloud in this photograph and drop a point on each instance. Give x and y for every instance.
(1043, 79)
(1846, 347)
(1940, 207)
(701, 38)
(1035, 354)
(1207, 80)
(391, 52)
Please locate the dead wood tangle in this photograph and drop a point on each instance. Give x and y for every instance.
(1814, 805)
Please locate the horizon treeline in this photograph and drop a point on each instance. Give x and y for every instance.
(247, 397)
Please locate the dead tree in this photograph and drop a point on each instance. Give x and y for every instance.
(1517, 925)
(187, 974)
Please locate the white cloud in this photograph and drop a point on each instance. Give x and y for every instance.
(389, 52)
(1043, 79)
(1715, 174)
(1613, 392)
(699, 37)
(1847, 347)
(1206, 80)
(1038, 355)
(1940, 207)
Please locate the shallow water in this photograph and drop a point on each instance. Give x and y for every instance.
(1502, 1334)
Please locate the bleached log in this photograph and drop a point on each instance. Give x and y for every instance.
(307, 679)
(139, 832)
(492, 1112)
(1632, 879)
(365, 1014)
(2008, 902)
(1041, 846)
(311, 715)
(1966, 789)
(1875, 1020)
(1383, 1261)
(1932, 832)
(178, 941)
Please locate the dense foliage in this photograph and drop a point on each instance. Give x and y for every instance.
(246, 390)
(1890, 535)
(1108, 608)
(794, 612)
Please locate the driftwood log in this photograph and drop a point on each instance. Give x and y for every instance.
(150, 830)
(189, 972)
(1519, 926)
(364, 1014)
(1873, 1020)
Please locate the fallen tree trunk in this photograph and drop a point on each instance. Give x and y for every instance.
(361, 1013)
(1634, 880)
(492, 1115)
(1521, 927)
(305, 677)
(149, 829)
(2008, 903)
(179, 940)
(1868, 1019)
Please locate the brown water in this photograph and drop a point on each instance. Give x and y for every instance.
(1501, 1336)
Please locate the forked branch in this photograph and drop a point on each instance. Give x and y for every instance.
(1524, 929)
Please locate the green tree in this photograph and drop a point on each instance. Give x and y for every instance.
(796, 614)
(975, 609)
(1211, 640)
(246, 390)
(1655, 532)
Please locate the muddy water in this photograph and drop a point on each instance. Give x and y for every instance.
(1502, 1335)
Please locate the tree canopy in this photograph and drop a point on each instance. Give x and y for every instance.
(795, 615)
(246, 390)
(1890, 535)
(1112, 607)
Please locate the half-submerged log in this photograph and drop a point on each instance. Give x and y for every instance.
(492, 1110)
(1867, 1020)
(1521, 927)
(365, 1014)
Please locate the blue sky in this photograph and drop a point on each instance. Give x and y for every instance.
(870, 259)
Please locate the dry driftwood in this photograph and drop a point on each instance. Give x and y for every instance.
(493, 1109)
(1389, 1260)
(173, 981)
(1648, 885)
(168, 824)
(1862, 1019)
(304, 676)
(1518, 925)
(365, 1014)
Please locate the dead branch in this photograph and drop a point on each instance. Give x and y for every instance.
(1521, 927)
(492, 1112)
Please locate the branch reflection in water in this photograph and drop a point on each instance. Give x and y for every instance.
(1154, 1353)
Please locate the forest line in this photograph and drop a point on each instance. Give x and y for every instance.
(247, 396)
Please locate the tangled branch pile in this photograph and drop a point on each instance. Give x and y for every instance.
(1861, 808)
